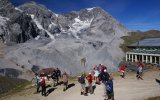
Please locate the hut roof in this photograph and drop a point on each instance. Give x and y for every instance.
(147, 42)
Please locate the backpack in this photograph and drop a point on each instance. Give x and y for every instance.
(81, 80)
(104, 76)
(37, 79)
(89, 78)
(43, 82)
(53, 75)
(109, 86)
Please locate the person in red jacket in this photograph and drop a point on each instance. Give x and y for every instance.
(89, 79)
(122, 70)
(43, 85)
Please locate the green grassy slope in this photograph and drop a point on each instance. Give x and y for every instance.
(11, 85)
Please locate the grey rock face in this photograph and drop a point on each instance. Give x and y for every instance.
(28, 28)
(3, 28)
(18, 26)
(41, 13)
(6, 8)
(21, 30)
(44, 16)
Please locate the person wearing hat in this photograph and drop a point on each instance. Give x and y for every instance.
(89, 79)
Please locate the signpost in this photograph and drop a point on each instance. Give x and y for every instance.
(83, 62)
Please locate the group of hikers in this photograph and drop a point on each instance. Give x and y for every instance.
(98, 74)
(56, 75)
(101, 76)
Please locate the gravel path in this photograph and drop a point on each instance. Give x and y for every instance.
(124, 89)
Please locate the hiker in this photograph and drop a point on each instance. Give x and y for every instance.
(104, 77)
(99, 68)
(122, 70)
(102, 72)
(59, 73)
(109, 89)
(139, 73)
(81, 80)
(65, 81)
(102, 68)
(89, 79)
(140, 70)
(43, 85)
(38, 82)
(96, 74)
(141, 64)
(53, 76)
(56, 74)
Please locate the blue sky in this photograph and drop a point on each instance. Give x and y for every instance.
(134, 14)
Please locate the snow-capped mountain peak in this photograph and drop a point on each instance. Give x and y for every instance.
(90, 9)
(16, 8)
(78, 25)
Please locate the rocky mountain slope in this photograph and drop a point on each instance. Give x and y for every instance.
(38, 36)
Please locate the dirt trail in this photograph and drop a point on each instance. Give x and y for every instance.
(124, 89)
